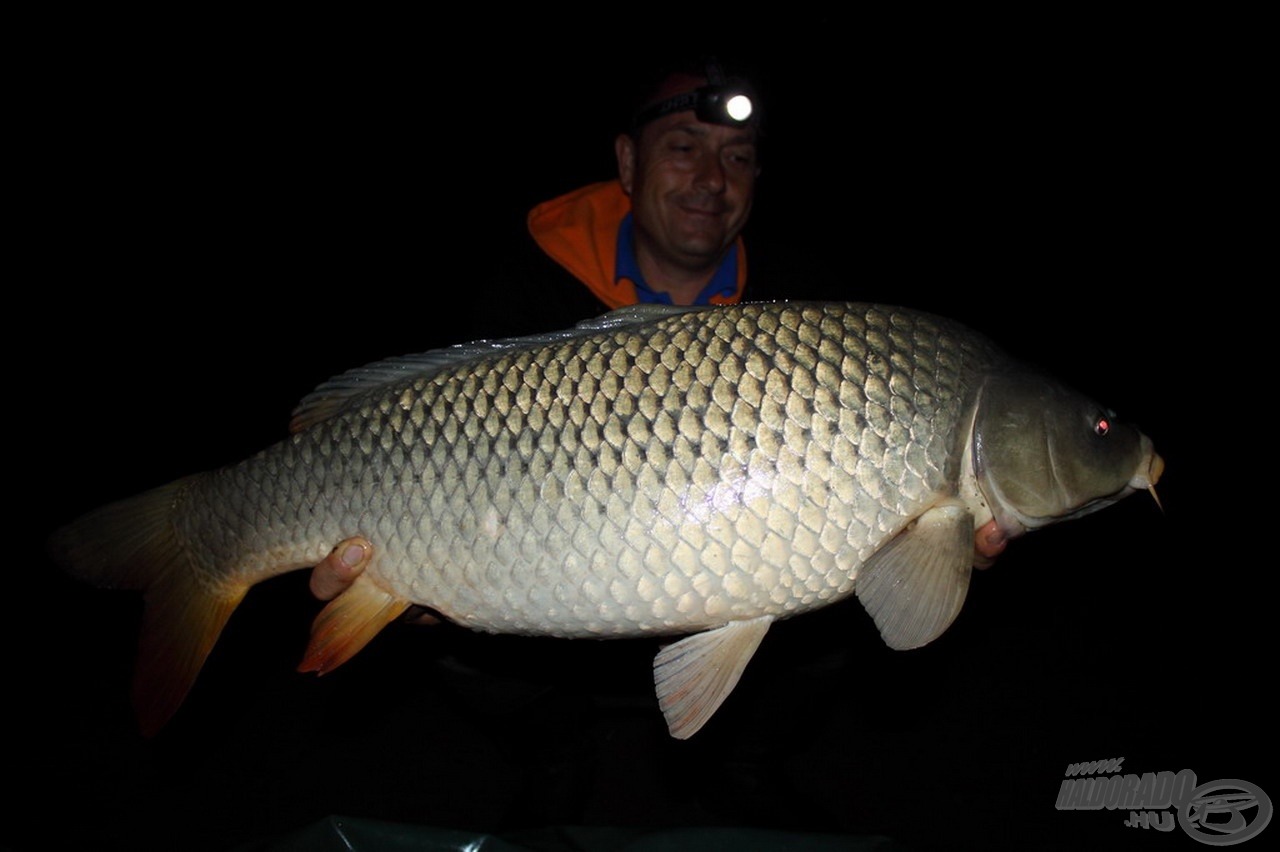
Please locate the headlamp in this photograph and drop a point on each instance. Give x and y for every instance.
(727, 102)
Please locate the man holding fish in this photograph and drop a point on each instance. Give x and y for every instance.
(667, 230)
(691, 463)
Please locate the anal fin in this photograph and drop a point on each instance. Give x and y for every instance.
(915, 585)
(348, 623)
(694, 675)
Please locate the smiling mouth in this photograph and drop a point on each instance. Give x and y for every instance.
(703, 212)
(702, 205)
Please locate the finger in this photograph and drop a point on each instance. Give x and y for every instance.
(989, 541)
(340, 568)
(419, 615)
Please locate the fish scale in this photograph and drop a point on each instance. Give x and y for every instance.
(670, 497)
(657, 471)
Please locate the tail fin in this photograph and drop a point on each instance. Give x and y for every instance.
(133, 544)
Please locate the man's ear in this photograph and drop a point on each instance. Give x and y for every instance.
(624, 147)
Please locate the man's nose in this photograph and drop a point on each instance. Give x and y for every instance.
(710, 177)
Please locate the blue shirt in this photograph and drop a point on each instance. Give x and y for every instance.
(723, 283)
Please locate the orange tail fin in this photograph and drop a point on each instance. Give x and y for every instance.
(132, 544)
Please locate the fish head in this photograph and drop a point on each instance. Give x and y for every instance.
(1044, 453)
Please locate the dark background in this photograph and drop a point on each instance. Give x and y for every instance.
(224, 212)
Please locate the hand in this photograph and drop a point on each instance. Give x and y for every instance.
(989, 541)
(340, 568)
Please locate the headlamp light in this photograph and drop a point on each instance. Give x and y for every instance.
(727, 105)
(721, 101)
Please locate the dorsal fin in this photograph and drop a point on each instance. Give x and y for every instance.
(337, 393)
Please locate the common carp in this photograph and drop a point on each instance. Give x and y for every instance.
(657, 471)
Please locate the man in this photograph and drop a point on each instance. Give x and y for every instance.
(666, 231)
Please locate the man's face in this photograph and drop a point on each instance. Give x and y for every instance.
(691, 186)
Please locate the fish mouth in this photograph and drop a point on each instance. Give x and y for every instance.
(1145, 480)
(1013, 523)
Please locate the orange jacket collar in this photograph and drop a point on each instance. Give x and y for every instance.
(579, 230)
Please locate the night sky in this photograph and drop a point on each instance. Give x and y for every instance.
(233, 211)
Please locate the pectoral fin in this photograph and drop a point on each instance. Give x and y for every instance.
(694, 675)
(348, 623)
(914, 586)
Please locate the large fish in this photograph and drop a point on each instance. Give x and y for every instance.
(693, 472)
